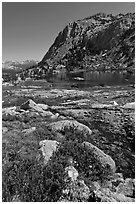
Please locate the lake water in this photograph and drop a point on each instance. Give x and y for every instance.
(96, 78)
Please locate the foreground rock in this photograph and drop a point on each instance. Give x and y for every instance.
(61, 126)
(113, 190)
(127, 187)
(106, 195)
(30, 104)
(47, 148)
(41, 109)
(106, 162)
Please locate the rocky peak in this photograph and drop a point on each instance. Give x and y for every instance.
(112, 38)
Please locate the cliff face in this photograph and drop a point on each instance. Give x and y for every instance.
(97, 42)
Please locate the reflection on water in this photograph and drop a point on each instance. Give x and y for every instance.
(88, 78)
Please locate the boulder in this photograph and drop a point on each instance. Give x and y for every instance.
(43, 106)
(101, 106)
(46, 114)
(104, 192)
(32, 114)
(129, 105)
(9, 111)
(94, 186)
(107, 184)
(54, 117)
(127, 187)
(116, 179)
(4, 129)
(60, 126)
(18, 109)
(28, 131)
(115, 103)
(72, 173)
(30, 104)
(47, 148)
(61, 117)
(106, 162)
(77, 113)
(10, 114)
(106, 195)
(77, 102)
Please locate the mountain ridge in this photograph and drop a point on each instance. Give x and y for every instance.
(15, 64)
(99, 35)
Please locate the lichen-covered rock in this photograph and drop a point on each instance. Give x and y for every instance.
(47, 148)
(60, 126)
(106, 162)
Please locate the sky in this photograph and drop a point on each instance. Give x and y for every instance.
(30, 28)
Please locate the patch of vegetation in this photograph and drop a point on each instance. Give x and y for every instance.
(26, 177)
